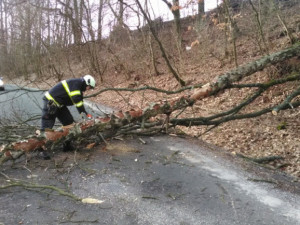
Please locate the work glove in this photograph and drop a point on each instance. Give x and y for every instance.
(86, 116)
(89, 116)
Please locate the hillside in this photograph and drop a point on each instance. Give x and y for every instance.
(126, 59)
(256, 137)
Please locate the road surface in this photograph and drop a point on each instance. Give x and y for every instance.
(150, 181)
(168, 180)
(24, 106)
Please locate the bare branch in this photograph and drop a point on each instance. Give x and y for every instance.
(145, 88)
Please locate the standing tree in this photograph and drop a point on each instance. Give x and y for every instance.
(121, 13)
(201, 10)
(283, 22)
(233, 28)
(175, 9)
(3, 33)
(74, 13)
(100, 19)
(260, 28)
(162, 49)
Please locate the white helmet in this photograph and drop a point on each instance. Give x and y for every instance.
(89, 80)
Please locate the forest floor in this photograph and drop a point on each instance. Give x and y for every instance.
(263, 136)
(256, 137)
(259, 137)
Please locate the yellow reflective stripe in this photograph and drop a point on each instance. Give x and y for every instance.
(66, 87)
(49, 97)
(79, 104)
(71, 94)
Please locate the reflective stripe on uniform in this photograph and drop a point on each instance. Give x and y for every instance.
(79, 104)
(49, 97)
(72, 93)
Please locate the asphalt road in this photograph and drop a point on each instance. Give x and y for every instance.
(21, 106)
(168, 180)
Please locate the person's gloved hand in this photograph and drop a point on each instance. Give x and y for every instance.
(89, 116)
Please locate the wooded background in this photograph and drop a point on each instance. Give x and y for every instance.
(246, 52)
(49, 37)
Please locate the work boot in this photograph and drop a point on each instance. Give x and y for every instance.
(67, 146)
(44, 155)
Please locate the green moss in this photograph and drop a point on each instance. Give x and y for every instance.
(282, 126)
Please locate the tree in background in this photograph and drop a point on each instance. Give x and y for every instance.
(58, 38)
(47, 37)
(175, 9)
(100, 19)
(3, 35)
(201, 11)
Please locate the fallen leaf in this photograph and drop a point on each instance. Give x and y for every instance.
(89, 146)
(91, 201)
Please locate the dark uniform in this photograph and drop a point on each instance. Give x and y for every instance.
(66, 93)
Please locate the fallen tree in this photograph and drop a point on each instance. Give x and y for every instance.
(122, 122)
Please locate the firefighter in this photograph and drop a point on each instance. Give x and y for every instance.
(65, 93)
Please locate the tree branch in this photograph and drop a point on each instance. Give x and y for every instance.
(243, 71)
(164, 55)
(145, 88)
(110, 125)
(287, 102)
(203, 121)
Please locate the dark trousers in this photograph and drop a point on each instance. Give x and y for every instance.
(63, 115)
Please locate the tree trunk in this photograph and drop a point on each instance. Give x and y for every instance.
(100, 19)
(121, 14)
(77, 22)
(201, 11)
(259, 27)
(243, 71)
(1, 27)
(89, 20)
(233, 30)
(284, 24)
(175, 9)
(48, 41)
(164, 55)
(66, 39)
(110, 124)
(176, 13)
